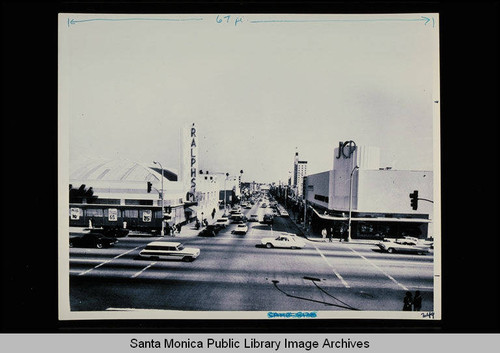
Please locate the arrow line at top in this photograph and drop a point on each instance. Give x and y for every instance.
(422, 18)
(73, 21)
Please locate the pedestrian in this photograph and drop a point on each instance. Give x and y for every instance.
(330, 235)
(417, 301)
(323, 233)
(407, 302)
(167, 229)
(179, 227)
(213, 213)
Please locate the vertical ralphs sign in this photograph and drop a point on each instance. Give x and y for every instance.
(194, 160)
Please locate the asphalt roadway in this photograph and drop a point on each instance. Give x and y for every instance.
(235, 273)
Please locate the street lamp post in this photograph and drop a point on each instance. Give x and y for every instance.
(162, 200)
(305, 214)
(241, 177)
(225, 180)
(350, 203)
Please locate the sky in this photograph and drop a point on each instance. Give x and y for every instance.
(257, 91)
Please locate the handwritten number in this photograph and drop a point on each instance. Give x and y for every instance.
(227, 19)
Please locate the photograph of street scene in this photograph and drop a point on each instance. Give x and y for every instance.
(249, 166)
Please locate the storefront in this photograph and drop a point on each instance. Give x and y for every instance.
(377, 199)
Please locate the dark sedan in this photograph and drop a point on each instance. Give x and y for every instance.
(92, 240)
(210, 231)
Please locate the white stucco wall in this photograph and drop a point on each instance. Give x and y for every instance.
(388, 191)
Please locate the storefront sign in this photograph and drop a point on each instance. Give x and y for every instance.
(112, 214)
(75, 213)
(194, 161)
(147, 216)
(346, 149)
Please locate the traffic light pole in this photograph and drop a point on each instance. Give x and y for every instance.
(162, 201)
(350, 204)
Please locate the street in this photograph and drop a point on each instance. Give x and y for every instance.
(235, 273)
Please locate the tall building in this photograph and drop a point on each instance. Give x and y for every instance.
(299, 172)
(377, 198)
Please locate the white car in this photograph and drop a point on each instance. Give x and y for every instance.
(241, 229)
(223, 221)
(403, 245)
(284, 240)
(162, 250)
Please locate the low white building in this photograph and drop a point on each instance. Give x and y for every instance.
(378, 198)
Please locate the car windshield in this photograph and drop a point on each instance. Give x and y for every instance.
(180, 247)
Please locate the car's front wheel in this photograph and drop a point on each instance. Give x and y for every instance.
(390, 250)
(269, 245)
(187, 259)
(99, 245)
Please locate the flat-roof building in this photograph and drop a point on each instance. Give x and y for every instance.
(377, 198)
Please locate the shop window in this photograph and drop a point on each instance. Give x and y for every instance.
(321, 198)
(131, 213)
(94, 212)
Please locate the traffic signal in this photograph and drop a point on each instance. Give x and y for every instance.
(150, 185)
(414, 199)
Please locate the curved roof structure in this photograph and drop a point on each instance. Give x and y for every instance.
(116, 170)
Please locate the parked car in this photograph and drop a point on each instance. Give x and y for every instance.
(263, 205)
(241, 229)
(403, 245)
(92, 240)
(161, 250)
(223, 221)
(284, 240)
(284, 213)
(210, 231)
(110, 231)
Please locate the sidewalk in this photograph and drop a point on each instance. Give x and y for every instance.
(310, 235)
(189, 230)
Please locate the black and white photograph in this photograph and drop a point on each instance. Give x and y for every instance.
(249, 166)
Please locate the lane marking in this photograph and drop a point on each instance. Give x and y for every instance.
(144, 269)
(107, 261)
(378, 268)
(421, 287)
(333, 268)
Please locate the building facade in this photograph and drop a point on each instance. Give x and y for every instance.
(299, 172)
(377, 198)
(156, 191)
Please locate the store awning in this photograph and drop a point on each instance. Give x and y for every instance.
(372, 219)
